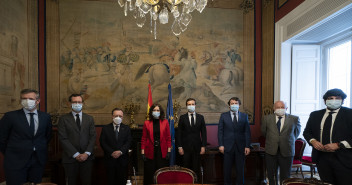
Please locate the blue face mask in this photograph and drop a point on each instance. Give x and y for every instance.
(191, 108)
(77, 107)
(156, 115)
(333, 104)
(235, 107)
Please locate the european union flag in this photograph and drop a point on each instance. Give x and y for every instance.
(170, 118)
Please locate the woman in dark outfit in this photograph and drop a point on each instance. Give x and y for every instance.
(155, 143)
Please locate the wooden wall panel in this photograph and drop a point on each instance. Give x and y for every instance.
(268, 36)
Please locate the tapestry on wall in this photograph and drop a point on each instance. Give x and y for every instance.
(107, 58)
(18, 64)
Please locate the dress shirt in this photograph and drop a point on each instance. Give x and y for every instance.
(35, 117)
(234, 115)
(80, 118)
(118, 128)
(282, 120)
(190, 117)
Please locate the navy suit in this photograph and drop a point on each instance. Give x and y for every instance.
(234, 138)
(334, 167)
(22, 163)
(116, 168)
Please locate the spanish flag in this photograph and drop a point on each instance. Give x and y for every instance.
(150, 100)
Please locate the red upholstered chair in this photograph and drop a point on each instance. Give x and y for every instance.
(300, 144)
(174, 174)
(306, 160)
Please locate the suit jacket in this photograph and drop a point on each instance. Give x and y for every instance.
(17, 142)
(230, 135)
(109, 144)
(147, 141)
(342, 131)
(285, 139)
(192, 137)
(74, 140)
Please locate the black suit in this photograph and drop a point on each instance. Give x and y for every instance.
(25, 153)
(334, 167)
(116, 168)
(74, 140)
(191, 139)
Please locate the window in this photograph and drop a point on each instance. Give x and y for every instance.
(338, 65)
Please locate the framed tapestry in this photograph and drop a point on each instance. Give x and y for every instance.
(94, 49)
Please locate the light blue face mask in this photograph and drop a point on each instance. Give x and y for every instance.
(333, 104)
(235, 107)
(77, 107)
(191, 108)
(156, 115)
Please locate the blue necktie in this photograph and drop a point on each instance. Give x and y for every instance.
(31, 123)
(234, 118)
(278, 124)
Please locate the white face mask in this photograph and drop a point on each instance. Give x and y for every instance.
(280, 112)
(156, 115)
(28, 104)
(117, 120)
(235, 107)
(191, 108)
(77, 107)
(333, 104)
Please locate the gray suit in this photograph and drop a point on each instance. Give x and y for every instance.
(75, 140)
(280, 147)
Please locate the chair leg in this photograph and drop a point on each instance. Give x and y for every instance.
(301, 172)
(311, 171)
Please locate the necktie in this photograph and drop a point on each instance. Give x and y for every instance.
(234, 118)
(278, 124)
(116, 132)
(78, 122)
(327, 128)
(31, 122)
(192, 120)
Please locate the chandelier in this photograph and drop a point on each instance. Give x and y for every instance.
(160, 9)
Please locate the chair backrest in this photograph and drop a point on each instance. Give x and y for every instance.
(300, 144)
(174, 174)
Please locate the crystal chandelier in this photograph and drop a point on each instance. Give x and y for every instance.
(160, 9)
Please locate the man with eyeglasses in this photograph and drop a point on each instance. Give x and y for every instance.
(24, 137)
(329, 131)
(77, 137)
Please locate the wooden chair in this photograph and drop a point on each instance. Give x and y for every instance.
(300, 144)
(174, 174)
(306, 160)
(307, 181)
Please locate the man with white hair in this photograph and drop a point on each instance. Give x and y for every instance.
(280, 131)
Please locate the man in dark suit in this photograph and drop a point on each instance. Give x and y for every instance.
(280, 131)
(192, 137)
(234, 137)
(329, 131)
(115, 139)
(77, 137)
(24, 137)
